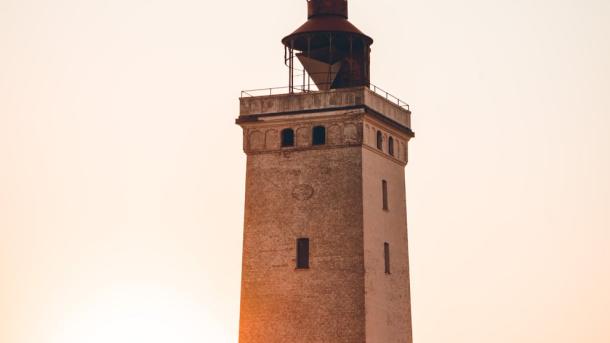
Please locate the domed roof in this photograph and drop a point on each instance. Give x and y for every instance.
(326, 23)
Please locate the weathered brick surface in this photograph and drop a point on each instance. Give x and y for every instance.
(326, 302)
(387, 301)
(332, 195)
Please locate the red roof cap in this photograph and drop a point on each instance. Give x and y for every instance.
(327, 7)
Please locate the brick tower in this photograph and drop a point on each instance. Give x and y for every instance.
(325, 256)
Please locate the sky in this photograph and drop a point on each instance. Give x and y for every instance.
(122, 170)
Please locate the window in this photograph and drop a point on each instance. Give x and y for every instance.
(386, 257)
(379, 140)
(303, 253)
(287, 137)
(319, 135)
(384, 194)
(391, 146)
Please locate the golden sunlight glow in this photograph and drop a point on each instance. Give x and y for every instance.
(132, 314)
(122, 172)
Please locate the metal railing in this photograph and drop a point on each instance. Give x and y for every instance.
(389, 97)
(304, 89)
(273, 91)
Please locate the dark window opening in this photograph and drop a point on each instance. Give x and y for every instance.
(287, 137)
(319, 135)
(302, 253)
(386, 257)
(391, 146)
(384, 194)
(379, 140)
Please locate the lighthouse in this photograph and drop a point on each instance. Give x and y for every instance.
(325, 251)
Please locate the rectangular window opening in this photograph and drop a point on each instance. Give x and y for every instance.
(384, 191)
(287, 138)
(303, 253)
(319, 135)
(386, 257)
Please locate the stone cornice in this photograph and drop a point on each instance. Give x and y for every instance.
(253, 109)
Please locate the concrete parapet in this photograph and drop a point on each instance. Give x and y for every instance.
(333, 99)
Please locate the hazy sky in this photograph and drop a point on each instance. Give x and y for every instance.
(122, 174)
